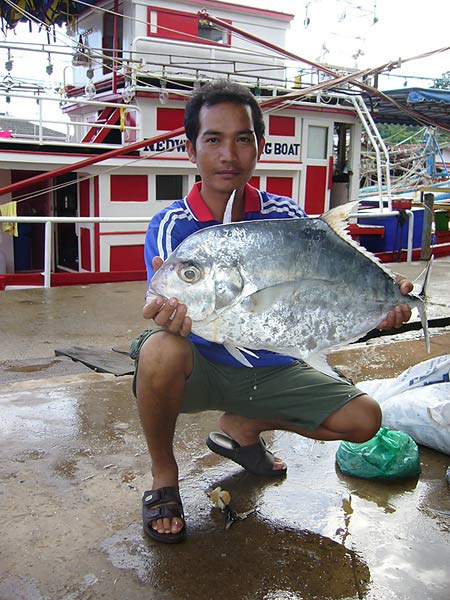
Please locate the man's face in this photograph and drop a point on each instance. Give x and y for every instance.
(227, 150)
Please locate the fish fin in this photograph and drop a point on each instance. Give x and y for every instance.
(318, 361)
(247, 351)
(337, 218)
(265, 298)
(229, 208)
(237, 354)
(422, 307)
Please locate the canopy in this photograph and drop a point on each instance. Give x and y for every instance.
(431, 96)
(430, 103)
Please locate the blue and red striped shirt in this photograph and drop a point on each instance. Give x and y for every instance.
(169, 227)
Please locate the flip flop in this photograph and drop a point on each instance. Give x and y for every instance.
(255, 458)
(154, 507)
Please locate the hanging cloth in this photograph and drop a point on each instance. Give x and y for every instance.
(9, 210)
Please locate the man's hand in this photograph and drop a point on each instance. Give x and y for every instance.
(169, 314)
(401, 313)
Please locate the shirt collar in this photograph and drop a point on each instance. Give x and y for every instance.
(202, 213)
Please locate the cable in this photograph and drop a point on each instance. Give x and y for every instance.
(59, 186)
(133, 71)
(98, 57)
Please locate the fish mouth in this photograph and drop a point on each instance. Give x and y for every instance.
(151, 295)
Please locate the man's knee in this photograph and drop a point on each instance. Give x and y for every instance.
(367, 420)
(357, 421)
(165, 352)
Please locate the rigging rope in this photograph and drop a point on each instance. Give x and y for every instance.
(98, 57)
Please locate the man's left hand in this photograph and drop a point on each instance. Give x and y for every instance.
(402, 312)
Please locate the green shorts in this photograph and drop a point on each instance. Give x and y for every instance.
(296, 393)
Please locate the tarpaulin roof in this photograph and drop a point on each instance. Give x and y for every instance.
(430, 103)
(49, 12)
(431, 95)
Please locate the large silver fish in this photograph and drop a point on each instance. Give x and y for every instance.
(293, 286)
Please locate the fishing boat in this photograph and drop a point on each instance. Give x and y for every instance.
(79, 183)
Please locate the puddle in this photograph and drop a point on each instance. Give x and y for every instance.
(29, 415)
(33, 367)
(254, 561)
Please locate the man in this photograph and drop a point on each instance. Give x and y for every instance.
(179, 372)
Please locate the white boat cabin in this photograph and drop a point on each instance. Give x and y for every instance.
(134, 64)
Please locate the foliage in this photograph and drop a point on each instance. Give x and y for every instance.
(442, 82)
(394, 135)
(398, 134)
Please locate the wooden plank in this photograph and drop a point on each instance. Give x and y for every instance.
(102, 361)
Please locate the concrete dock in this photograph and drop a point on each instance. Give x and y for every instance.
(74, 465)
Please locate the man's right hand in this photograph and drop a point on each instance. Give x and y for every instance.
(169, 314)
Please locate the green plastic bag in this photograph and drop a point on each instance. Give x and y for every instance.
(388, 455)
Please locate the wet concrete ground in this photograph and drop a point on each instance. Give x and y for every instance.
(73, 465)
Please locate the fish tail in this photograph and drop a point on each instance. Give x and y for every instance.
(423, 304)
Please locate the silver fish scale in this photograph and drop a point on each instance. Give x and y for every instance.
(298, 286)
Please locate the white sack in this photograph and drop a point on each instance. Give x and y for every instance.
(417, 402)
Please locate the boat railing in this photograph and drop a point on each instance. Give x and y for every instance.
(41, 123)
(48, 235)
(49, 221)
(379, 147)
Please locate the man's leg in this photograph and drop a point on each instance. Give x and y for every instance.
(165, 362)
(356, 421)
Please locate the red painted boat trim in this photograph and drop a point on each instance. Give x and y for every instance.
(356, 230)
(437, 251)
(63, 279)
(242, 9)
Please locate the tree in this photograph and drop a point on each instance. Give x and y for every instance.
(394, 134)
(442, 82)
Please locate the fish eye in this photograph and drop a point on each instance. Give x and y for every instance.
(189, 273)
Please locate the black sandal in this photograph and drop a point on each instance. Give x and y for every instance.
(256, 458)
(154, 507)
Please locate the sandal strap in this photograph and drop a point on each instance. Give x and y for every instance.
(256, 454)
(161, 495)
(162, 503)
(165, 511)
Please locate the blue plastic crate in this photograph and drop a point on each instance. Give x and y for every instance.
(395, 236)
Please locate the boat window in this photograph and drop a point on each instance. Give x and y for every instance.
(317, 141)
(170, 187)
(187, 27)
(208, 31)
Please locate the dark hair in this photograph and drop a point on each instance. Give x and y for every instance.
(215, 92)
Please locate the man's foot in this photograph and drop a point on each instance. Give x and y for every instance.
(255, 458)
(246, 432)
(162, 515)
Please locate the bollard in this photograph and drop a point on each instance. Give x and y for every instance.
(428, 202)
